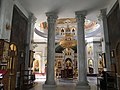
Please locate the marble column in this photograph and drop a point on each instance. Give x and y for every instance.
(97, 49)
(50, 81)
(31, 23)
(81, 52)
(106, 39)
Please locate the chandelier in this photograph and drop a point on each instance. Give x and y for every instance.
(68, 40)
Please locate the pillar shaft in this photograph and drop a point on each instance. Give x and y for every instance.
(51, 18)
(82, 69)
(106, 39)
(31, 23)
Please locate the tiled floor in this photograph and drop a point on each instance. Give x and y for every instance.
(65, 84)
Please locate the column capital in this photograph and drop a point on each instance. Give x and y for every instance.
(103, 12)
(51, 16)
(32, 18)
(80, 14)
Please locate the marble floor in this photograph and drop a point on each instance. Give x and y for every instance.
(65, 84)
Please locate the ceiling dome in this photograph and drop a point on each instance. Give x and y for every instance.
(90, 26)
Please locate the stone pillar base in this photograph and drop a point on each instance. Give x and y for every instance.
(49, 86)
(82, 86)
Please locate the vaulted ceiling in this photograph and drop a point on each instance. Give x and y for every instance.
(65, 8)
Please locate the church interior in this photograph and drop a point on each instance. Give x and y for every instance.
(59, 44)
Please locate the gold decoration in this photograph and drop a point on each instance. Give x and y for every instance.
(89, 25)
(62, 20)
(68, 40)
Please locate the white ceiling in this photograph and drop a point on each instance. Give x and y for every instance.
(65, 8)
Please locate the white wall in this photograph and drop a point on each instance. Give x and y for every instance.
(111, 5)
(6, 12)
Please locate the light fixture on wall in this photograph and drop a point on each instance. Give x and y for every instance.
(22, 54)
(112, 53)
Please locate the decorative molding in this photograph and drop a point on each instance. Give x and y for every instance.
(51, 17)
(80, 15)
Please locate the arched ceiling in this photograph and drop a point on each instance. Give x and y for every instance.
(65, 8)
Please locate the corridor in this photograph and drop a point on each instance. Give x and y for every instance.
(65, 84)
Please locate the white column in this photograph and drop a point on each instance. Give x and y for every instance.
(31, 22)
(81, 52)
(106, 39)
(51, 18)
(97, 49)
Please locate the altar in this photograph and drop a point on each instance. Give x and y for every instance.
(67, 73)
(65, 67)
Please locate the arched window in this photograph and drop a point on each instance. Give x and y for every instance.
(62, 30)
(73, 30)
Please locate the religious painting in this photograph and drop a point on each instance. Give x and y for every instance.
(101, 63)
(36, 65)
(89, 49)
(68, 63)
(59, 64)
(104, 60)
(90, 65)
